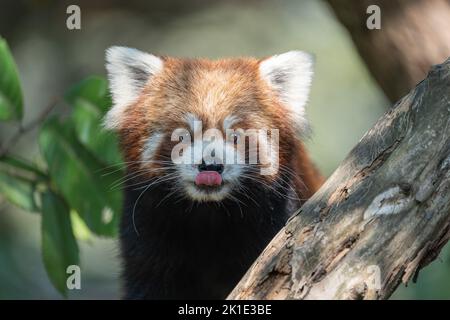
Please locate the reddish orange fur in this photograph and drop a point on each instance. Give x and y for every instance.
(213, 90)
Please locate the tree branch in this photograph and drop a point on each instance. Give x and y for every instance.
(382, 216)
(24, 129)
(414, 35)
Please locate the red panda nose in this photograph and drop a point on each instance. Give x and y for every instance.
(210, 167)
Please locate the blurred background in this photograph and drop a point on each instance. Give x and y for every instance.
(359, 73)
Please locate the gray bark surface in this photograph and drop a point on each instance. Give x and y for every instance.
(382, 216)
(414, 35)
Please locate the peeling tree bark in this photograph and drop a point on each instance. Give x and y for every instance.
(382, 216)
(414, 35)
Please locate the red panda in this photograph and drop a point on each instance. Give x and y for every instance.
(191, 229)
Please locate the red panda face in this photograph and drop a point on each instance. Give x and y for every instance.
(205, 127)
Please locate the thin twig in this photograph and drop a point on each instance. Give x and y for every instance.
(23, 129)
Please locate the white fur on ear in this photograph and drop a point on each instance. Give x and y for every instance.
(290, 75)
(128, 71)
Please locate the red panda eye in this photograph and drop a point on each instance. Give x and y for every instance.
(183, 137)
(235, 137)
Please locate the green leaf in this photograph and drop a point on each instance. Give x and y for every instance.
(80, 229)
(77, 174)
(93, 90)
(87, 121)
(22, 164)
(11, 101)
(90, 99)
(59, 247)
(18, 191)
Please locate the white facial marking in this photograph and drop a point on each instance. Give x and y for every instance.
(229, 150)
(202, 196)
(191, 120)
(229, 121)
(151, 145)
(210, 147)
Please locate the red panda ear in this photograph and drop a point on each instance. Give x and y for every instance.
(128, 72)
(290, 75)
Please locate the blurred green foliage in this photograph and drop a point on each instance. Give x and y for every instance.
(72, 181)
(344, 103)
(11, 101)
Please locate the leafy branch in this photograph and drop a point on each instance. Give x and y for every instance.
(69, 187)
(24, 129)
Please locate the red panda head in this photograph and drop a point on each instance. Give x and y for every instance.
(188, 123)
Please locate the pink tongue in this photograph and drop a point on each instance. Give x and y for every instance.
(208, 178)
